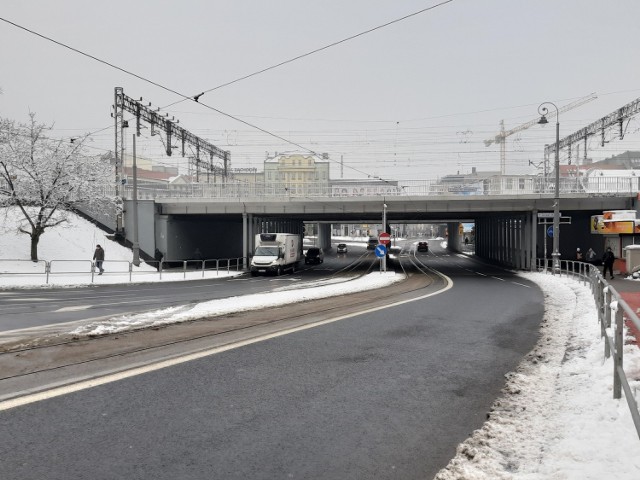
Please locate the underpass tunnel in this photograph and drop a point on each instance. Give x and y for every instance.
(509, 240)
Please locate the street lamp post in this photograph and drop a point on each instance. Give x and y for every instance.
(543, 111)
(384, 229)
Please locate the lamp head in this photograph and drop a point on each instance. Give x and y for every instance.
(543, 120)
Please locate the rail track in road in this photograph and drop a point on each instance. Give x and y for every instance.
(63, 358)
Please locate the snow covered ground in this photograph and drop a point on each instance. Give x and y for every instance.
(556, 417)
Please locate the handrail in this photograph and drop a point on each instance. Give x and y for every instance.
(494, 185)
(608, 303)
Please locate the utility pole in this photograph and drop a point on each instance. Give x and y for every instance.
(117, 152)
(136, 245)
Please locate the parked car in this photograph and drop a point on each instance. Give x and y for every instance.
(342, 248)
(423, 247)
(314, 255)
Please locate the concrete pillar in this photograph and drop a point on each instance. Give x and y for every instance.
(247, 235)
(324, 236)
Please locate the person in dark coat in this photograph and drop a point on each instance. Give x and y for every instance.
(98, 257)
(607, 260)
(158, 255)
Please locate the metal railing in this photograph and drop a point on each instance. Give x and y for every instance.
(612, 311)
(495, 185)
(87, 268)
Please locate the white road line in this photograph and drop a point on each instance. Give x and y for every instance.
(23, 300)
(481, 274)
(498, 278)
(114, 377)
(74, 308)
(521, 284)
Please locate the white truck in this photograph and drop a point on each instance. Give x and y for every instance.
(276, 253)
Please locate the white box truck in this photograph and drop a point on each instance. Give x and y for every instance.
(276, 253)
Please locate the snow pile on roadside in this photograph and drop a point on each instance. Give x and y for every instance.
(556, 417)
(235, 304)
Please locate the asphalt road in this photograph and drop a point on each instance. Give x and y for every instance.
(384, 395)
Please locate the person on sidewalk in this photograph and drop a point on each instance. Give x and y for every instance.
(591, 256)
(158, 255)
(578, 255)
(607, 260)
(98, 257)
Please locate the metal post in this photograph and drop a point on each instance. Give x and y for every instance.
(617, 356)
(543, 111)
(136, 245)
(384, 229)
(556, 204)
(117, 153)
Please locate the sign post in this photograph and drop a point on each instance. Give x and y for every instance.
(381, 253)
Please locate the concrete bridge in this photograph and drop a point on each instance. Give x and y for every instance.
(222, 219)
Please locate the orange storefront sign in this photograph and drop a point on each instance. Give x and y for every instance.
(599, 224)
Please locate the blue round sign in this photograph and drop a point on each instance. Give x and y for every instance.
(381, 251)
(550, 231)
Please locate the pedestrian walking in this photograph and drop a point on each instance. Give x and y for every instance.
(607, 260)
(579, 256)
(98, 257)
(591, 256)
(158, 255)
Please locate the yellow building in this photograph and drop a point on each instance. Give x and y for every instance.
(297, 174)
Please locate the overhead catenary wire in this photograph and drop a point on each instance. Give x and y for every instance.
(195, 98)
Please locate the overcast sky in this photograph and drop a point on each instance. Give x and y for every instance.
(412, 100)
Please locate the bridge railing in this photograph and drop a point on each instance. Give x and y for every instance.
(496, 185)
(612, 312)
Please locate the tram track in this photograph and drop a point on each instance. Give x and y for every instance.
(65, 359)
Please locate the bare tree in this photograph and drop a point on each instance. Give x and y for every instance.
(45, 178)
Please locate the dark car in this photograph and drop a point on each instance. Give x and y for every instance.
(423, 247)
(342, 248)
(314, 255)
(372, 243)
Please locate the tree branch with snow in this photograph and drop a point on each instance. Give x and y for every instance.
(46, 178)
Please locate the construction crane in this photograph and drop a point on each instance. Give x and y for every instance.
(502, 135)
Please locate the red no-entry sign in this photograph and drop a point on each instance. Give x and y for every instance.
(384, 238)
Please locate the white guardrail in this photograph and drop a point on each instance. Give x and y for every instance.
(612, 311)
(81, 269)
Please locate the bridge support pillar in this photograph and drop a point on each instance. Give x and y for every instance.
(324, 236)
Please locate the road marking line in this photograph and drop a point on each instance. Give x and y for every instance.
(114, 377)
(74, 308)
(498, 278)
(481, 274)
(521, 284)
(23, 300)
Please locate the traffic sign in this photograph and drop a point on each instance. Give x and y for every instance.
(547, 214)
(384, 238)
(550, 231)
(381, 251)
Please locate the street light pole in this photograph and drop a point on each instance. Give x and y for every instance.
(543, 111)
(384, 229)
